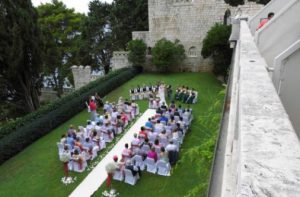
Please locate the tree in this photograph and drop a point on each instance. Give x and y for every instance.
(216, 45)
(137, 52)
(126, 17)
(166, 54)
(242, 2)
(97, 45)
(20, 55)
(235, 2)
(264, 2)
(61, 31)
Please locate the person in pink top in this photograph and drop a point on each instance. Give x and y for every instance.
(93, 108)
(264, 21)
(152, 154)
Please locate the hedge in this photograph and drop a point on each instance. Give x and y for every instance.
(16, 135)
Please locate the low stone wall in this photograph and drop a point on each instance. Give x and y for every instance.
(262, 149)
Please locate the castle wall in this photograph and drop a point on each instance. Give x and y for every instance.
(189, 21)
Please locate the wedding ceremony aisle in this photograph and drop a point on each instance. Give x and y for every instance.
(98, 175)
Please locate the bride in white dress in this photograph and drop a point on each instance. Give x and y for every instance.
(161, 94)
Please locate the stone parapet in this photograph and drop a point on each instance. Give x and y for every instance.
(262, 155)
(119, 60)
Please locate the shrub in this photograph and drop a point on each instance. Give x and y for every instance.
(166, 54)
(216, 45)
(16, 135)
(137, 53)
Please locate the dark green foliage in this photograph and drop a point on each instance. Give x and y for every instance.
(216, 45)
(264, 2)
(16, 135)
(126, 17)
(61, 29)
(166, 54)
(20, 55)
(242, 2)
(96, 44)
(137, 52)
(235, 2)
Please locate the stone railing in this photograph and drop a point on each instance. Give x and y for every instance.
(261, 149)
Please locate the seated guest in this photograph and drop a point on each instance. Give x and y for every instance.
(143, 133)
(70, 141)
(173, 106)
(156, 146)
(159, 127)
(78, 158)
(126, 153)
(152, 136)
(149, 124)
(135, 144)
(163, 155)
(176, 113)
(163, 107)
(134, 169)
(152, 154)
(78, 143)
(71, 130)
(163, 118)
(88, 145)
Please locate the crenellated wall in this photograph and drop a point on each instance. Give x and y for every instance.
(119, 60)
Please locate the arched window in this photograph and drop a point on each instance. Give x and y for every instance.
(192, 52)
(227, 19)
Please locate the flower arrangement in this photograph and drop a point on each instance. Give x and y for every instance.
(111, 193)
(68, 180)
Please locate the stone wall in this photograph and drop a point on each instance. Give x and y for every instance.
(119, 60)
(189, 21)
(262, 149)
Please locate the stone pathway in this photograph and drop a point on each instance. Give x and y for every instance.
(98, 175)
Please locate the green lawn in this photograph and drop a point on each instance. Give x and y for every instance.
(37, 170)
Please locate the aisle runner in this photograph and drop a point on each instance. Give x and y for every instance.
(96, 177)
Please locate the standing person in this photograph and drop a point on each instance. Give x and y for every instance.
(93, 108)
(264, 21)
(110, 168)
(65, 157)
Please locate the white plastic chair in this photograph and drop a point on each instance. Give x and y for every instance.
(145, 149)
(60, 147)
(163, 168)
(118, 175)
(151, 166)
(138, 161)
(129, 178)
(76, 166)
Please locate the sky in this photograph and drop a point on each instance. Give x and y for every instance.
(79, 5)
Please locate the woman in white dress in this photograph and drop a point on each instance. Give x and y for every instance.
(161, 94)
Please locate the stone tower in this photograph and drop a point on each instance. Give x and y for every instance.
(82, 75)
(188, 21)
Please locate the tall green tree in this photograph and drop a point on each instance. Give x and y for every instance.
(96, 43)
(166, 54)
(216, 45)
(20, 55)
(61, 28)
(137, 52)
(126, 17)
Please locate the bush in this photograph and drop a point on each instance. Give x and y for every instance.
(216, 45)
(16, 135)
(137, 53)
(166, 54)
